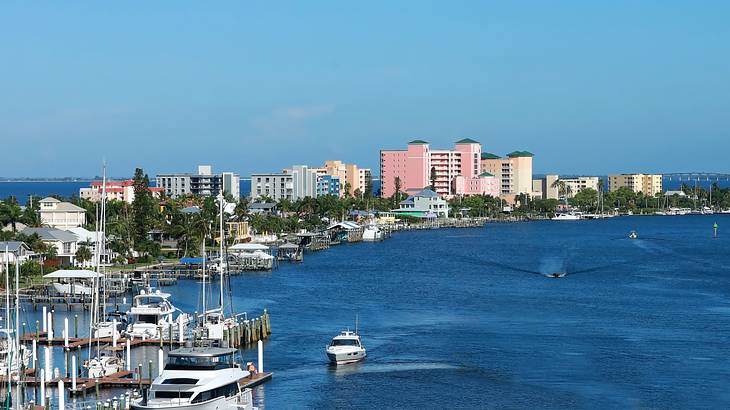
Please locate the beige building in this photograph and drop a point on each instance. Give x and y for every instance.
(544, 187)
(61, 215)
(350, 175)
(649, 184)
(514, 172)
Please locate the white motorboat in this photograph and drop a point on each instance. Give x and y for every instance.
(372, 232)
(567, 216)
(104, 365)
(198, 378)
(8, 359)
(73, 282)
(345, 348)
(152, 313)
(110, 328)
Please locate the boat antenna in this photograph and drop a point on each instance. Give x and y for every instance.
(356, 320)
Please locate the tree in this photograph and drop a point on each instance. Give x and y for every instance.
(396, 194)
(83, 254)
(564, 190)
(10, 212)
(143, 208)
(433, 179)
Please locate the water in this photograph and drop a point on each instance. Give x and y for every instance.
(454, 318)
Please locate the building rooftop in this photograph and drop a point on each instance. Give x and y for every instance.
(51, 234)
(516, 154)
(489, 155)
(426, 193)
(485, 174)
(418, 142)
(12, 246)
(50, 199)
(467, 141)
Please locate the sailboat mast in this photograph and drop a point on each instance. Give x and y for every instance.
(204, 311)
(17, 356)
(222, 239)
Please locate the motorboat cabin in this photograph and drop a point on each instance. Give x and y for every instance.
(152, 313)
(198, 378)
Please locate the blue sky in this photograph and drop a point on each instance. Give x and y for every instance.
(589, 87)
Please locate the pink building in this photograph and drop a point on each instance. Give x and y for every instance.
(418, 165)
(484, 184)
(115, 190)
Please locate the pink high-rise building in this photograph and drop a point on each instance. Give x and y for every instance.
(419, 167)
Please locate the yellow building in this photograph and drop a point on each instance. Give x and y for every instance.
(649, 184)
(350, 175)
(514, 172)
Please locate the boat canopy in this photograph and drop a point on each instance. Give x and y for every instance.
(188, 261)
(249, 247)
(74, 274)
(289, 246)
(347, 225)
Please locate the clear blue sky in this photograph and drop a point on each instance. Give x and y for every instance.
(589, 87)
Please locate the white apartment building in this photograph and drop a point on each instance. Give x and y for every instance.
(203, 183)
(276, 186)
(649, 184)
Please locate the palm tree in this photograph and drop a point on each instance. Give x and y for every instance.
(83, 254)
(396, 194)
(10, 212)
(564, 189)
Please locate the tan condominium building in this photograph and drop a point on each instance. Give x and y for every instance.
(649, 184)
(352, 177)
(513, 172)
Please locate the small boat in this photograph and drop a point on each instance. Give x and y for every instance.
(105, 364)
(198, 378)
(566, 216)
(372, 233)
(152, 313)
(555, 275)
(633, 235)
(73, 282)
(345, 348)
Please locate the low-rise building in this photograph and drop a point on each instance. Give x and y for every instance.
(11, 251)
(547, 187)
(649, 184)
(61, 215)
(424, 204)
(202, 183)
(484, 184)
(115, 191)
(304, 181)
(65, 242)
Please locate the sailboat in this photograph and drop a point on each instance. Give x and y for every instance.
(106, 361)
(14, 356)
(213, 322)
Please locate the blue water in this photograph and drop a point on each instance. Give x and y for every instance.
(457, 318)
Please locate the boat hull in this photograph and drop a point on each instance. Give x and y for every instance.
(340, 358)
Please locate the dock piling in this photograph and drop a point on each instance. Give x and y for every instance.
(47, 361)
(129, 355)
(261, 356)
(160, 362)
(61, 395)
(49, 324)
(114, 333)
(45, 323)
(43, 388)
(76, 326)
(73, 372)
(65, 332)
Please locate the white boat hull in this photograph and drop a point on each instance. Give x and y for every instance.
(238, 402)
(69, 289)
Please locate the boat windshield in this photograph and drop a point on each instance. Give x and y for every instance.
(344, 342)
(199, 362)
(149, 300)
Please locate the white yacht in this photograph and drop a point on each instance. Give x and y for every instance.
(152, 313)
(198, 378)
(345, 348)
(372, 233)
(571, 216)
(8, 360)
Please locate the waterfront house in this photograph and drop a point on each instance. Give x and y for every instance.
(66, 243)
(424, 204)
(12, 250)
(269, 208)
(61, 215)
(89, 239)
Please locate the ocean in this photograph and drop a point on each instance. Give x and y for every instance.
(466, 319)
